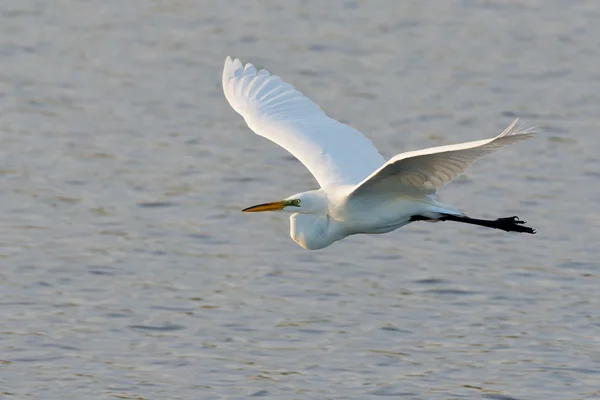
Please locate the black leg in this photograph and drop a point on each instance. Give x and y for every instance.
(510, 224)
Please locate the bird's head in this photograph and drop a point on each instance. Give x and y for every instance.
(304, 203)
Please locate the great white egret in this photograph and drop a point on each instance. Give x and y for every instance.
(360, 192)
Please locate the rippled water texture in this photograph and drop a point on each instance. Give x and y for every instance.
(128, 270)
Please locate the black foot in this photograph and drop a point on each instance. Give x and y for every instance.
(511, 220)
(513, 224)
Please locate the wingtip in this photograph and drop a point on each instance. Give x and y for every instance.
(509, 129)
(237, 64)
(229, 63)
(232, 67)
(522, 130)
(226, 74)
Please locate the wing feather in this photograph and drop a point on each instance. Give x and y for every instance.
(422, 172)
(333, 152)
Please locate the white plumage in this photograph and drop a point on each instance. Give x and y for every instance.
(276, 110)
(360, 192)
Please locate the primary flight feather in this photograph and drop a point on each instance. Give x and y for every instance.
(360, 192)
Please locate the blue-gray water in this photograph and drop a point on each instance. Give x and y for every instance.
(127, 270)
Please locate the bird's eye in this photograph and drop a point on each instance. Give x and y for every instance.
(297, 203)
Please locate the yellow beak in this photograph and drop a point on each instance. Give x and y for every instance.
(274, 206)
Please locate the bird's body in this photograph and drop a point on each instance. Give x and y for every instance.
(339, 215)
(360, 192)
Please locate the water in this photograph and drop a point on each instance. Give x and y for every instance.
(127, 270)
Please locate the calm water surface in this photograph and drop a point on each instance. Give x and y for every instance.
(127, 270)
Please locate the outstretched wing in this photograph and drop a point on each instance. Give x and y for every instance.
(333, 152)
(422, 172)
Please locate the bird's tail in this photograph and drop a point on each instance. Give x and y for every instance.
(437, 209)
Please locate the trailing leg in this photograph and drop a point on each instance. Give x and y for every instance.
(510, 224)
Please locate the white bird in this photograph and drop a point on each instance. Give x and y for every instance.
(360, 192)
